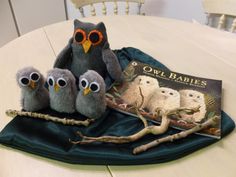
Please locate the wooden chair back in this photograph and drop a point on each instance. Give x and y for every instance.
(224, 8)
(80, 4)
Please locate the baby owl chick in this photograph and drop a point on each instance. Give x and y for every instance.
(34, 96)
(91, 100)
(62, 90)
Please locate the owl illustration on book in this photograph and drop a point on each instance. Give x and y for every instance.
(164, 98)
(193, 99)
(132, 95)
(89, 49)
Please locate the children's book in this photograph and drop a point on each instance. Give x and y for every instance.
(149, 90)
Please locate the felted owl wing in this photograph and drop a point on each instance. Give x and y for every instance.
(64, 58)
(112, 63)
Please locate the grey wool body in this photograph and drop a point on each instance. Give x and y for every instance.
(90, 101)
(34, 96)
(62, 90)
(89, 49)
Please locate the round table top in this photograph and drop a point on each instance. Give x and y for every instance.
(184, 47)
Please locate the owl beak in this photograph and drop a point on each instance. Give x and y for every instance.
(32, 84)
(86, 91)
(56, 88)
(86, 45)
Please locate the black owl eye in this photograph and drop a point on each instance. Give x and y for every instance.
(34, 76)
(84, 83)
(191, 95)
(94, 86)
(50, 81)
(95, 37)
(162, 91)
(24, 81)
(171, 93)
(61, 82)
(79, 36)
(148, 82)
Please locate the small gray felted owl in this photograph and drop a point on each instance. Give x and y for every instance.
(193, 99)
(89, 50)
(34, 96)
(164, 98)
(91, 100)
(62, 90)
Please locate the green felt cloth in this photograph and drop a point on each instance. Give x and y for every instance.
(50, 139)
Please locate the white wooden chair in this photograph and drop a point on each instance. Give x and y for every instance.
(224, 10)
(80, 4)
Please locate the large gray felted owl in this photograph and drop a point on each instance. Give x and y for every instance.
(62, 90)
(34, 96)
(89, 49)
(91, 100)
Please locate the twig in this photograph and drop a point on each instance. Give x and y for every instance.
(65, 121)
(176, 136)
(144, 120)
(155, 130)
(138, 107)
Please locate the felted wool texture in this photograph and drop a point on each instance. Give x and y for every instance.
(32, 99)
(74, 58)
(51, 139)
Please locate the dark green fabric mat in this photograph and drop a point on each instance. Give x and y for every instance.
(50, 139)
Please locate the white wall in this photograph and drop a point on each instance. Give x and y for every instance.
(7, 25)
(32, 14)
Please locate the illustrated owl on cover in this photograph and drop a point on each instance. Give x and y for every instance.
(193, 99)
(34, 96)
(132, 95)
(164, 98)
(89, 49)
(91, 100)
(62, 90)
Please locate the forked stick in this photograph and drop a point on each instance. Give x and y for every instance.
(65, 121)
(125, 139)
(176, 136)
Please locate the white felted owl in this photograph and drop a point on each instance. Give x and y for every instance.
(164, 98)
(132, 95)
(193, 99)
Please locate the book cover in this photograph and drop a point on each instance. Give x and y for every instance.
(152, 89)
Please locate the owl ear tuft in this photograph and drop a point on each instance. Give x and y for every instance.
(77, 23)
(101, 26)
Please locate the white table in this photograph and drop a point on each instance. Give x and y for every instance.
(183, 47)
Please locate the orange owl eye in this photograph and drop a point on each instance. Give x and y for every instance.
(79, 36)
(95, 37)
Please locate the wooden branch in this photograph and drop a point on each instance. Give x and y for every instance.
(176, 136)
(155, 130)
(65, 121)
